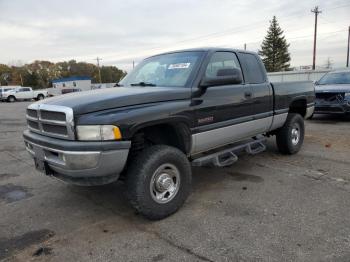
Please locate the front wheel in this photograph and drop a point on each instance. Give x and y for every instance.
(158, 181)
(291, 136)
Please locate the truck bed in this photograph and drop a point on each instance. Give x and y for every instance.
(287, 92)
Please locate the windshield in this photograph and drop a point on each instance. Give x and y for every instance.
(335, 78)
(168, 70)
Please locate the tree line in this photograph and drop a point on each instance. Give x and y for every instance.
(40, 74)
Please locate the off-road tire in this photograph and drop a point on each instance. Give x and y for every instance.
(284, 136)
(140, 172)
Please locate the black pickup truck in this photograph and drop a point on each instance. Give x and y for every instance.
(198, 106)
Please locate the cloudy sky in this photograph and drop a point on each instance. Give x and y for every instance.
(122, 31)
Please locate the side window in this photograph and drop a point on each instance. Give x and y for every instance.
(252, 70)
(221, 60)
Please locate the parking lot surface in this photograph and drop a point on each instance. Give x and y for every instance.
(266, 207)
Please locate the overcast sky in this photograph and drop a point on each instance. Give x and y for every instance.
(122, 31)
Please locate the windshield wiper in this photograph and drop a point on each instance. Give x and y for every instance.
(143, 84)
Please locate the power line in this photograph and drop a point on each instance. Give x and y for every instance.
(232, 30)
(290, 40)
(316, 11)
(227, 32)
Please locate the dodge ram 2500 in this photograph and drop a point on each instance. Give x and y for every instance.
(198, 106)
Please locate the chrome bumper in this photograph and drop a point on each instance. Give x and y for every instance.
(83, 163)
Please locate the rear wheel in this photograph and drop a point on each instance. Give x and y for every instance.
(11, 99)
(158, 181)
(291, 136)
(40, 97)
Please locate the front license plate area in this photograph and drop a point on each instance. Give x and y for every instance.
(39, 165)
(43, 167)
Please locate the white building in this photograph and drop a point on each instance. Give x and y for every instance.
(71, 84)
(302, 75)
(102, 86)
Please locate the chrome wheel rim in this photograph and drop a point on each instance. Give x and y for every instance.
(165, 183)
(295, 134)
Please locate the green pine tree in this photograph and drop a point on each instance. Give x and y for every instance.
(274, 49)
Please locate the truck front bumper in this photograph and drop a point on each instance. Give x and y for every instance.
(77, 162)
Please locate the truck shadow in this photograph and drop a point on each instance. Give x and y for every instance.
(113, 197)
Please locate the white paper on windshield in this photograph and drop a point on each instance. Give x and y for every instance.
(179, 66)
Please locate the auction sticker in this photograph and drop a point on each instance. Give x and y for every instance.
(179, 66)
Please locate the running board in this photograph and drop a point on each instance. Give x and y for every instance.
(229, 156)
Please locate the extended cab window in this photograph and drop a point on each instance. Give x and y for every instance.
(253, 73)
(24, 89)
(221, 60)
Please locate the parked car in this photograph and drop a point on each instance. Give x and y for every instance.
(333, 93)
(198, 106)
(23, 93)
(4, 89)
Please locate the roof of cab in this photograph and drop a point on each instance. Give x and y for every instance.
(207, 49)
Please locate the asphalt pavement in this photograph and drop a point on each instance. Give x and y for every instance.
(266, 207)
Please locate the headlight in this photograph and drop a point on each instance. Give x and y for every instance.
(98, 132)
(347, 94)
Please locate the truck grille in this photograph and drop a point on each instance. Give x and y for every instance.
(50, 120)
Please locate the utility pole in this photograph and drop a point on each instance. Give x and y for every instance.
(245, 46)
(133, 64)
(20, 75)
(98, 67)
(316, 11)
(347, 56)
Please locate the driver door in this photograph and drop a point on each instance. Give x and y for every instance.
(221, 112)
(23, 93)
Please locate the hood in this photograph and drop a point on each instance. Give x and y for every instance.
(343, 88)
(102, 99)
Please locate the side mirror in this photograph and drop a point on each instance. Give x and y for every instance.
(316, 83)
(229, 76)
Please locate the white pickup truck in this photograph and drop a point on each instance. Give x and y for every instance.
(23, 93)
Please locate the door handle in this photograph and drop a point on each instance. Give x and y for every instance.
(248, 94)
